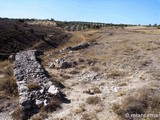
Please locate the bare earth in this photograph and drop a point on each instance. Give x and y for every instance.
(123, 61)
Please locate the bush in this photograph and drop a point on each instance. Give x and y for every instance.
(40, 116)
(21, 20)
(31, 30)
(8, 84)
(16, 27)
(116, 73)
(89, 116)
(93, 100)
(33, 86)
(142, 101)
(16, 115)
(53, 105)
(158, 27)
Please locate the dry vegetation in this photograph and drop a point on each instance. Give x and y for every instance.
(16, 115)
(33, 86)
(53, 105)
(89, 116)
(8, 86)
(125, 65)
(17, 35)
(93, 100)
(40, 116)
(118, 75)
(141, 101)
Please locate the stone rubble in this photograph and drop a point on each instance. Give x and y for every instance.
(26, 70)
(89, 75)
(78, 47)
(82, 45)
(63, 63)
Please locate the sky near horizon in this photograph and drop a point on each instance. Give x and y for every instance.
(107, 11)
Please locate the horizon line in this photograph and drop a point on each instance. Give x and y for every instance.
(50, 19)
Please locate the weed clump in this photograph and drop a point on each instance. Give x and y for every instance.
(16, 115)
(8, 84)
(33, 86)
(116, 73)
(53, 105)
(139, 102)
(93, 100)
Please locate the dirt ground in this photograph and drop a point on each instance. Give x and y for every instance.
(123, 61)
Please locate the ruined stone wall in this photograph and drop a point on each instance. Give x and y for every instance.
(35, 88)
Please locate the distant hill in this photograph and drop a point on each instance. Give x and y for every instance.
(22, 34)
(17, 35)
(80, 25)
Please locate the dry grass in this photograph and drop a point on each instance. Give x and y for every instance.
(95, 68)
(150, 31)
(37, 118)
(98, 109)
(95, 90)
(149, 46)
(33, 86)
(16, 115)
(8, 88)
(4, 64)
(93, 100)
(89, 116)
(144, 63)
(128, 49)
(80, 67)
(8, 84)
(113, 73)
(80, 109)
(92, 61)
(92, 40)
(122, 84)
(53, 105)
(40, 116)
(156, 74)
(65, 76)
(55, 77)
(73, 72)
(120, 93)
(143, 101)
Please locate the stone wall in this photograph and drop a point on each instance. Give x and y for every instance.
(35, 88)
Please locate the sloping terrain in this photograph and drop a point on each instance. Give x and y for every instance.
(116, 78)
(17, 35)
(79, 26)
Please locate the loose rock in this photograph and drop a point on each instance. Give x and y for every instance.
(78, 47)
(53, 90)
(27, 70)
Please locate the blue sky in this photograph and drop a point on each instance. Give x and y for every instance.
(108, 11)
